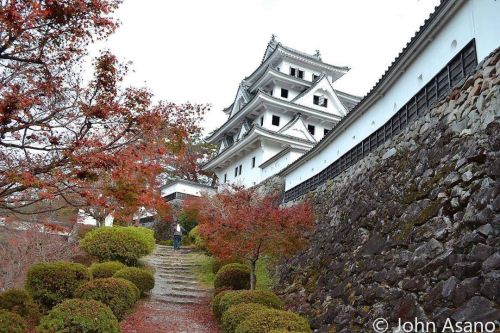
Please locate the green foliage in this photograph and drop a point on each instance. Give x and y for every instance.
(218, 263)
(216, 308)
(233, 276)
(105, 269)
(11, 322)
(51, 283)
(237, 314)
(81, 316)
(203, 268)
(263, 321)
(125, 244)
(283, 331)
(20, 301)
(167, 242)
(196, 239)
(119, 294)
(187, 220)
(263, 297)
(142, 278)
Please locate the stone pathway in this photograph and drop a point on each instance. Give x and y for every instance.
(177, 303)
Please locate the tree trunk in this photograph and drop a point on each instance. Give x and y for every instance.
(253, 279)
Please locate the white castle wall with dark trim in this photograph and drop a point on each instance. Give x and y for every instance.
(474, 19)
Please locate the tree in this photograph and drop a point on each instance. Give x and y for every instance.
(242, 223)
(97, 145)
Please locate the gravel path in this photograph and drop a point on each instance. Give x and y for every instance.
(178, 304)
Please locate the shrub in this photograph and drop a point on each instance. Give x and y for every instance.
(119, 294)
(11, 322)
(51, 283)
(235, 276)
(167, 242)
(105, 269)
(263, 297)
(216, 303)
(142, 278)
(237, 314)
(196, 239)
(283, 331)
(80, 315)
(125, 244)
(20, 302)
(263, 321)
(219, 263)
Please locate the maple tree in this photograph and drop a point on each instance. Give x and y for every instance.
(242, 223)
(98, 145)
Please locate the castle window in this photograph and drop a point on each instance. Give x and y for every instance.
(284, 93)
(300, 74)
(320, 100)
(239, 169)
(253, 162)
(315, 77)
(262, 121)
(311, 129)
(225, 178)
(236, 172)
(296, 72)
(325, 131)
(292, 71)
(276, 121)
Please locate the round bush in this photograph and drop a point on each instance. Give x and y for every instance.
(51, 283)
(263, 297)
(263, 321)
(142, 278)
(218, 263)
(79, 315)
(234, 276)
(119, 294)
(20, 302)
(125, 244)
(11, 322)
(105, 269)
(237, 314)
(216, 303)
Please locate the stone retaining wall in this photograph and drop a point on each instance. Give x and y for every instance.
(413, 229)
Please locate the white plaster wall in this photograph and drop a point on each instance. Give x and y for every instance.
(186, 188)
(248, 175)
(475, 19)
(280, 164)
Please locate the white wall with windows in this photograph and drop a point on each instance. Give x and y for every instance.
(477, 19)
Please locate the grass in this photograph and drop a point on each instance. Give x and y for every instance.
(204, 274)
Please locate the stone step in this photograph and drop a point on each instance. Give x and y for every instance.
(177, 300)
(177, 281)
(188, 289)
(180, 295)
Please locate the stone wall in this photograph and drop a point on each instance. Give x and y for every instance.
(413, 229)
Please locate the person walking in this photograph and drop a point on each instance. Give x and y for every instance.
(178, 231)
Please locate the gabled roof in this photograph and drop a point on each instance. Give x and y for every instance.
(435, 21)
(261, 97)
(322, 80)
(258, 131)
(297, 128)
(273, 45)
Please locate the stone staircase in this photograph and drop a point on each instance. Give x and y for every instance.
(175, 282)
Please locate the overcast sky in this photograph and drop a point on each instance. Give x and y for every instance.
(199, 50)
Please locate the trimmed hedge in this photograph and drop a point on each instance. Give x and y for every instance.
(20, 302)
(79, 315)
(124, 244)
(11, 322)
(233, 297)
(105, 269)
(219, 263)
(237, 314)
(119, 294)
(216, 303)
(52, 283)
(142, 278)
(263, 321)
(234, 276)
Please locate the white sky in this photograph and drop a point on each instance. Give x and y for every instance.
(199, 50)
